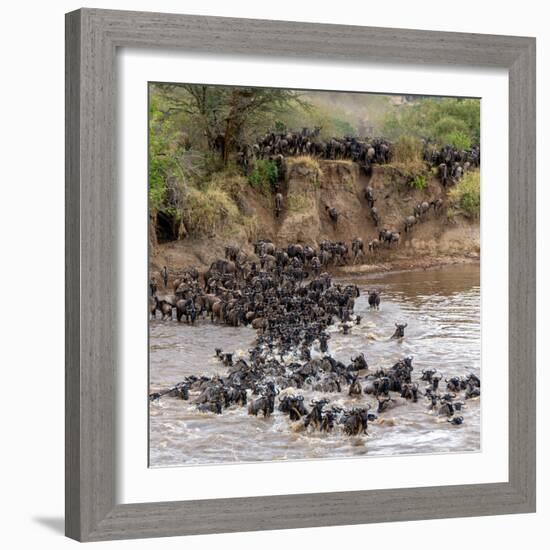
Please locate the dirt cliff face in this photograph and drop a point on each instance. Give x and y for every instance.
(341, 185)
(310, 188)
(310, 192)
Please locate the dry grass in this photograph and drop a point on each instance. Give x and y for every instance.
(231, 183)
(208, 210)
(407, 161)
(305, 160)
(251, 227)
(407, 157)
(310, 165)
(407, 149)
(410, 168)
(298, 202)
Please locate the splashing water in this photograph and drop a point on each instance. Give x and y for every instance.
(442, 309)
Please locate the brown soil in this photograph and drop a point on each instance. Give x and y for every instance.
(435, 241)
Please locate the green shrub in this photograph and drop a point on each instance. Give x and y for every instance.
(446, 120)
(418, 182)
(160, 163)
(466, 194)
(447, 126)
(264, 175)
(208, 164)
(458, 139)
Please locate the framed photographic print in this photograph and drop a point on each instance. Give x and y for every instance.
(292, 259)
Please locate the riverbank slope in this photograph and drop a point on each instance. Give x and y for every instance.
(309, 188)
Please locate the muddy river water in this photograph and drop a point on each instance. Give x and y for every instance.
(442, 309)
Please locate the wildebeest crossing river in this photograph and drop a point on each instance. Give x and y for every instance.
(442, 310)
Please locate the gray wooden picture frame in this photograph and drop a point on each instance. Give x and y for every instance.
(92, 39)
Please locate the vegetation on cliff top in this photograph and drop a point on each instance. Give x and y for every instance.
(445, 120)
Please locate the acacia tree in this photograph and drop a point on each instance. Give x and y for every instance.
(245, 106)
(227, 115)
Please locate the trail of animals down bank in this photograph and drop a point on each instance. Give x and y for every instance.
(365, 221)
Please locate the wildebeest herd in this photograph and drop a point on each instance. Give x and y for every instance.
(292, 303)
(366, 151)
(278, 145)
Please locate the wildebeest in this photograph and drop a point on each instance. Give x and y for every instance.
(394, 238)
(446, 408)
(357, 248)
(164, 275)
(434, 382)
(453, 384)
(442, 172)
(231, 252)
(375, 215)
(278, 204)
(471, 391)
(421, 209)
(437, 204)
(377, 385)
(215, 407)
(327, 419)
(153, 287)
(332, 213)
(385, 403)
(315, 416)
(358, 363)
(186, 308)
(374, 245)
(388, 237)
(374, 299)
(293, 405)
(355, 388)
(428, 374)
(369, 195)
(265, 403)
(399, 330)
(410, 391)
(356, 421)
(165, 305)
(409, 222)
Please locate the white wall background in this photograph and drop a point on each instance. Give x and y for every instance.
(32, 262)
